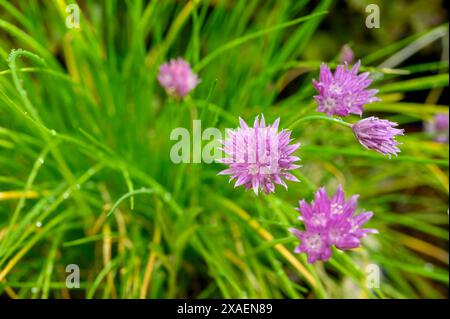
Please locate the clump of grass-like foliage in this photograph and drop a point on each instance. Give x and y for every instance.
(86, 177)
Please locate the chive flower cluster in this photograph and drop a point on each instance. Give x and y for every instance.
(346, 92)
(438, 127)
(330, 222)
(261, 156)
(177, 78)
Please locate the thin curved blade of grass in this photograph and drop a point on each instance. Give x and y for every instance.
(234, 43)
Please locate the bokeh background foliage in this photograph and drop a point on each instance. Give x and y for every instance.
(84, 123)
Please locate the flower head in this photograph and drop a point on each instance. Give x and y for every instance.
(177, 78)
(343, 92)
(439, 127)
(330, 222)
(346, 55)
(259, 157)
(378, 135)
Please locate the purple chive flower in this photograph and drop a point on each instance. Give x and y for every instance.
(343, 92)
(378, 135)
(439, 127)
(330, 222)
(346, 55)
(259, 157)
(177, 78)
